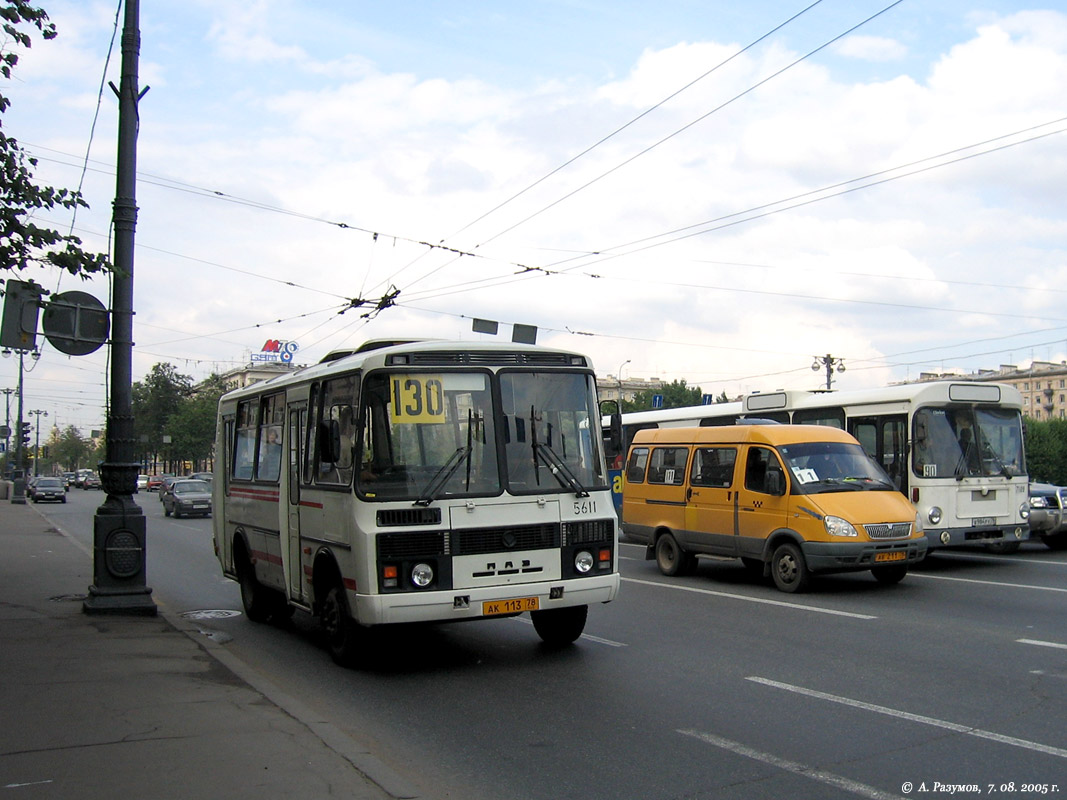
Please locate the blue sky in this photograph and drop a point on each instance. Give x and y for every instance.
(296, 156)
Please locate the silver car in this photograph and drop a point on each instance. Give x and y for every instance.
(187, 498)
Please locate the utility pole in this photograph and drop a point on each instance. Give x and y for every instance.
(7, 425)
(37, 446)
(829, 362)
(119, 529)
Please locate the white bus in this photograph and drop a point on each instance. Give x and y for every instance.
(418, 481)
(955, 449)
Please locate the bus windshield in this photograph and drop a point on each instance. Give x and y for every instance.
(431, 435)
(819, 467)
(968, 442)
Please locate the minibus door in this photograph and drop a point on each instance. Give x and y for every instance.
(297, 422)
(762, 499)
(710, 511)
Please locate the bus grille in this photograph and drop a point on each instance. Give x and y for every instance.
(396, 546)
(889, 530)
(500, 540)
(392, 517)
(590, 532)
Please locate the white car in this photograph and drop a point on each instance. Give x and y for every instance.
(142, 482)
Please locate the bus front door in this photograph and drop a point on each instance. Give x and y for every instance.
(297, 421)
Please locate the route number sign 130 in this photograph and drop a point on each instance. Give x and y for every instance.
(418, 399)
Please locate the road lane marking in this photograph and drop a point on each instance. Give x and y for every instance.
(763, 600)
(1040, 643)
(906, 715)
(1023, 559)
(913, 573)
(804, 770)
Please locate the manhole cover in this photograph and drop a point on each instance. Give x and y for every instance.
(218, 613)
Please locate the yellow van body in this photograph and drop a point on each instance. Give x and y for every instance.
(788, 500)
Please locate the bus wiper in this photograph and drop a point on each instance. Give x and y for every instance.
(440, 478)
(559, 469)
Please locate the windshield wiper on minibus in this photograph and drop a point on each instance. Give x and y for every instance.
(560, 470)
(440, 478)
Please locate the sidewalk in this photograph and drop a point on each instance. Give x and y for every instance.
(138, 707)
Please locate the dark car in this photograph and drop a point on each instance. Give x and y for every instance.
(187, 498)
(1048, 514)
(52, 489)
(91, 481)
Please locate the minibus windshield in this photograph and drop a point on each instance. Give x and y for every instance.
(819, 467)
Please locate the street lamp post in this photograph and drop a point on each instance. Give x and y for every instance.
(618, 375)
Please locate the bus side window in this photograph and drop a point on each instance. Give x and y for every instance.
(713, 467)
(667, 465)
(635, 467)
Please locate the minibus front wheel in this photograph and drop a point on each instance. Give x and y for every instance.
(789, 569)
(671, 558)
(890, 575)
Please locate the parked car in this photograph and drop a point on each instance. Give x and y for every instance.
(186, 497)
(46, 488)
(91, 481)
(1048, 514)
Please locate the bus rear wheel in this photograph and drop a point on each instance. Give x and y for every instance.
(559, 627)
(671, 558)
(342, 633)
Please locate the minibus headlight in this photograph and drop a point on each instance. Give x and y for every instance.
(918, 522)
(583, 561)
(422, 575)
(934, 515)
(835, 526)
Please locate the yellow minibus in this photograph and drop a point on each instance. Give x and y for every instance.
(788, 500)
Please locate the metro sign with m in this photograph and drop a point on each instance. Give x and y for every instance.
(276, 350)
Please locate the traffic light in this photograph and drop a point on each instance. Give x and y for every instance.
(22, 305)
(44, 451)
(25, 435)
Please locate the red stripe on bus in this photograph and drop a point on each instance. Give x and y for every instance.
(269, 495)
(259, 555)
(310, 504)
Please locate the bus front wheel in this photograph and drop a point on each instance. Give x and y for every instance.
(789, 569)
(342, 633)
(259, 602)
(558, 627)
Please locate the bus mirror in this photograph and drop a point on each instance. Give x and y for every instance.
(774, 481)
(329, 441)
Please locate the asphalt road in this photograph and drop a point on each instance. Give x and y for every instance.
(709, 686)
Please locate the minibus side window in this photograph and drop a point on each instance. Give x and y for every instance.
(667, 465)
(635, 467)
(759, 466)
(713, 466)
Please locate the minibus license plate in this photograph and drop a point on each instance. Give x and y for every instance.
(515, 606)
(896, 555)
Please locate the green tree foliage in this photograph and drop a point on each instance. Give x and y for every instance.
(675, 395)
(21, 199)
(1046, 451)
(70, 450)
(155, 400)
(192, 427)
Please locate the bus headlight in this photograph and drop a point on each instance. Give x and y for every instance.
(422, 575)
(1024, 511)
(583, 561)
(835, 526)
(934, 515)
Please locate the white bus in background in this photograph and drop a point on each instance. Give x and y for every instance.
(416, 482)
(955, 449)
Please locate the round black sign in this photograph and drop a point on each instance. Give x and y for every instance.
(76, 323)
